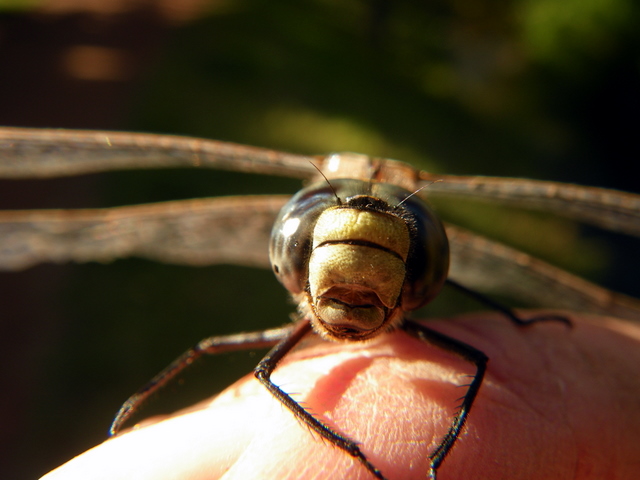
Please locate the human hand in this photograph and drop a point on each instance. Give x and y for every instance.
(556, 403)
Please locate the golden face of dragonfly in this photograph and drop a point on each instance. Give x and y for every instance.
(356, 255)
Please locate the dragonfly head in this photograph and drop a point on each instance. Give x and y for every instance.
(358, 258)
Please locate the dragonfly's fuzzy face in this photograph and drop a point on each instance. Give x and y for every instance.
(357, 259)
(356, 270)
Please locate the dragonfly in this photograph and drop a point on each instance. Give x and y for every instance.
(210, 231)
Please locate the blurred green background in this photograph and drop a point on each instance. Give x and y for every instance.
(530, 88)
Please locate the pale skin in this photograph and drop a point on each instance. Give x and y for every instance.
(556, 403)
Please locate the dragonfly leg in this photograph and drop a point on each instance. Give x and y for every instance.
(208, 346)
(510, 314)
(466, 352)
(263, 373)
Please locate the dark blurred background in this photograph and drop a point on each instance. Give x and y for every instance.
(531, 88)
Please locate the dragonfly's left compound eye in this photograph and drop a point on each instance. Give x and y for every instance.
(355, 265)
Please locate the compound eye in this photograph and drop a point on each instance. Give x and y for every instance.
(428, 264)
(290, 243)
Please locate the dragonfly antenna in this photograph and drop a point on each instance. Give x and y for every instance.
(415, 192)
(328, 182)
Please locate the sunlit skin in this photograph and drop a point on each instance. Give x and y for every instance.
(556, 403)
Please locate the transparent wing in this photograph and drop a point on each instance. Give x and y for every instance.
(491, 267)
(236, 230)
(610, 209)
(218, 230)
(232, 230)
(43, 153)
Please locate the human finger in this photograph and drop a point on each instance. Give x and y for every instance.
(556, 403)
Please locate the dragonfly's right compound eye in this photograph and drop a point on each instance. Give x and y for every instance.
(357, 261)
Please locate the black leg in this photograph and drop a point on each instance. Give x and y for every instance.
(472, 355)
(208, 346)
(510, 314)
(263, 373)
